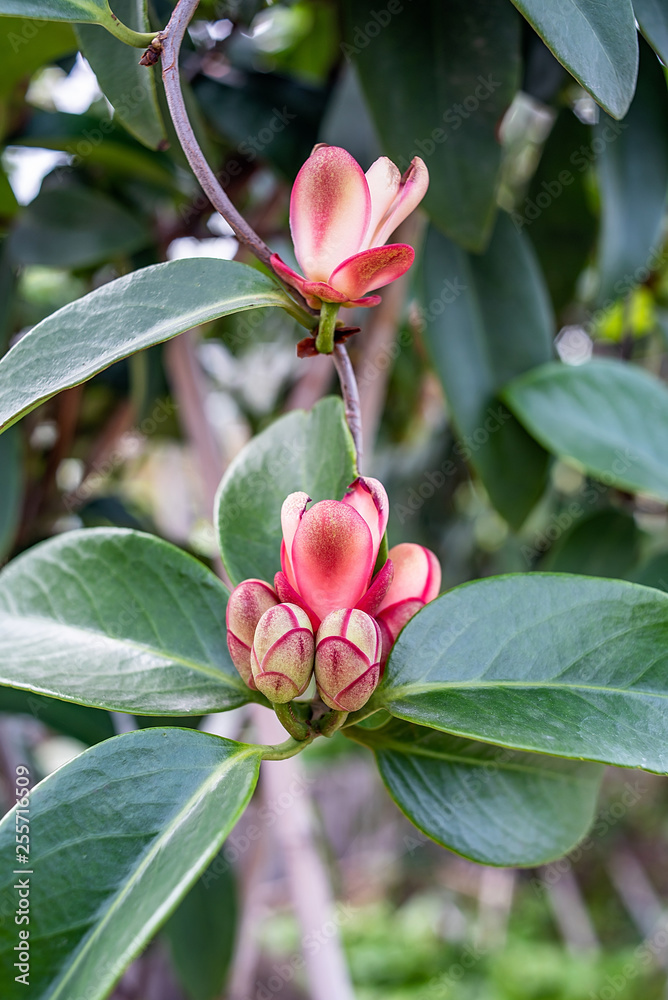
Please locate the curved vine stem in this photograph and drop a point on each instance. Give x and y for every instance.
(168, 42)
(351, 397)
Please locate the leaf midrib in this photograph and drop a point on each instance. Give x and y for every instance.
(426, 687)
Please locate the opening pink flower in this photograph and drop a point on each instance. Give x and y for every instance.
(330, 550)
(340, 219)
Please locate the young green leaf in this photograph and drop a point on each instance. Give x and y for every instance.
(312, 452)
(487, 318)
(124, 316)
(118, 620)
(610, 418)
(493, 805)
(564, 665)
(117, 837)
(596, 42)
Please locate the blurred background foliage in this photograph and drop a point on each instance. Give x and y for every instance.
(544, 239)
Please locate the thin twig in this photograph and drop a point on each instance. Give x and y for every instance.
(351, 397)
(170, 41)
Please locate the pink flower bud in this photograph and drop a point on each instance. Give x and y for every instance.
(347, 659)
(330, 549)
(282, 653)
(247, 603)
(416, 582)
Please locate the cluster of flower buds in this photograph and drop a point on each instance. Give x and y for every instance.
(331, 609)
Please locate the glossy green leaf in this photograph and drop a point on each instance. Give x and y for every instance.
(74, 228)
(124, 316)
(118, 620)
(632, 168)
(487, 318)
(609, 417)
(312, 452)
(556, 213)
(90, 725)
(129, 87)
(448, 115)
(57, 10)
(652, 16)
(11, 489)
(604, 543)
(595, 41)
(26, 45)
(565, 665)
(493, 805)
(117, 837)
(202, 932)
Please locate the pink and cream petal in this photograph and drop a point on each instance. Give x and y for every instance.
(288, 595)
(287, 274)
(366, 303)
(372, 269)
(417, 575)
(412, 190)
(398, 615)
(314, 292)
(330, 208)
(241, 658)
(292, 511)
(332, 557)
(369, 499)
(324, 292)
(384, 180)
(375, 595)
(339, 665)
